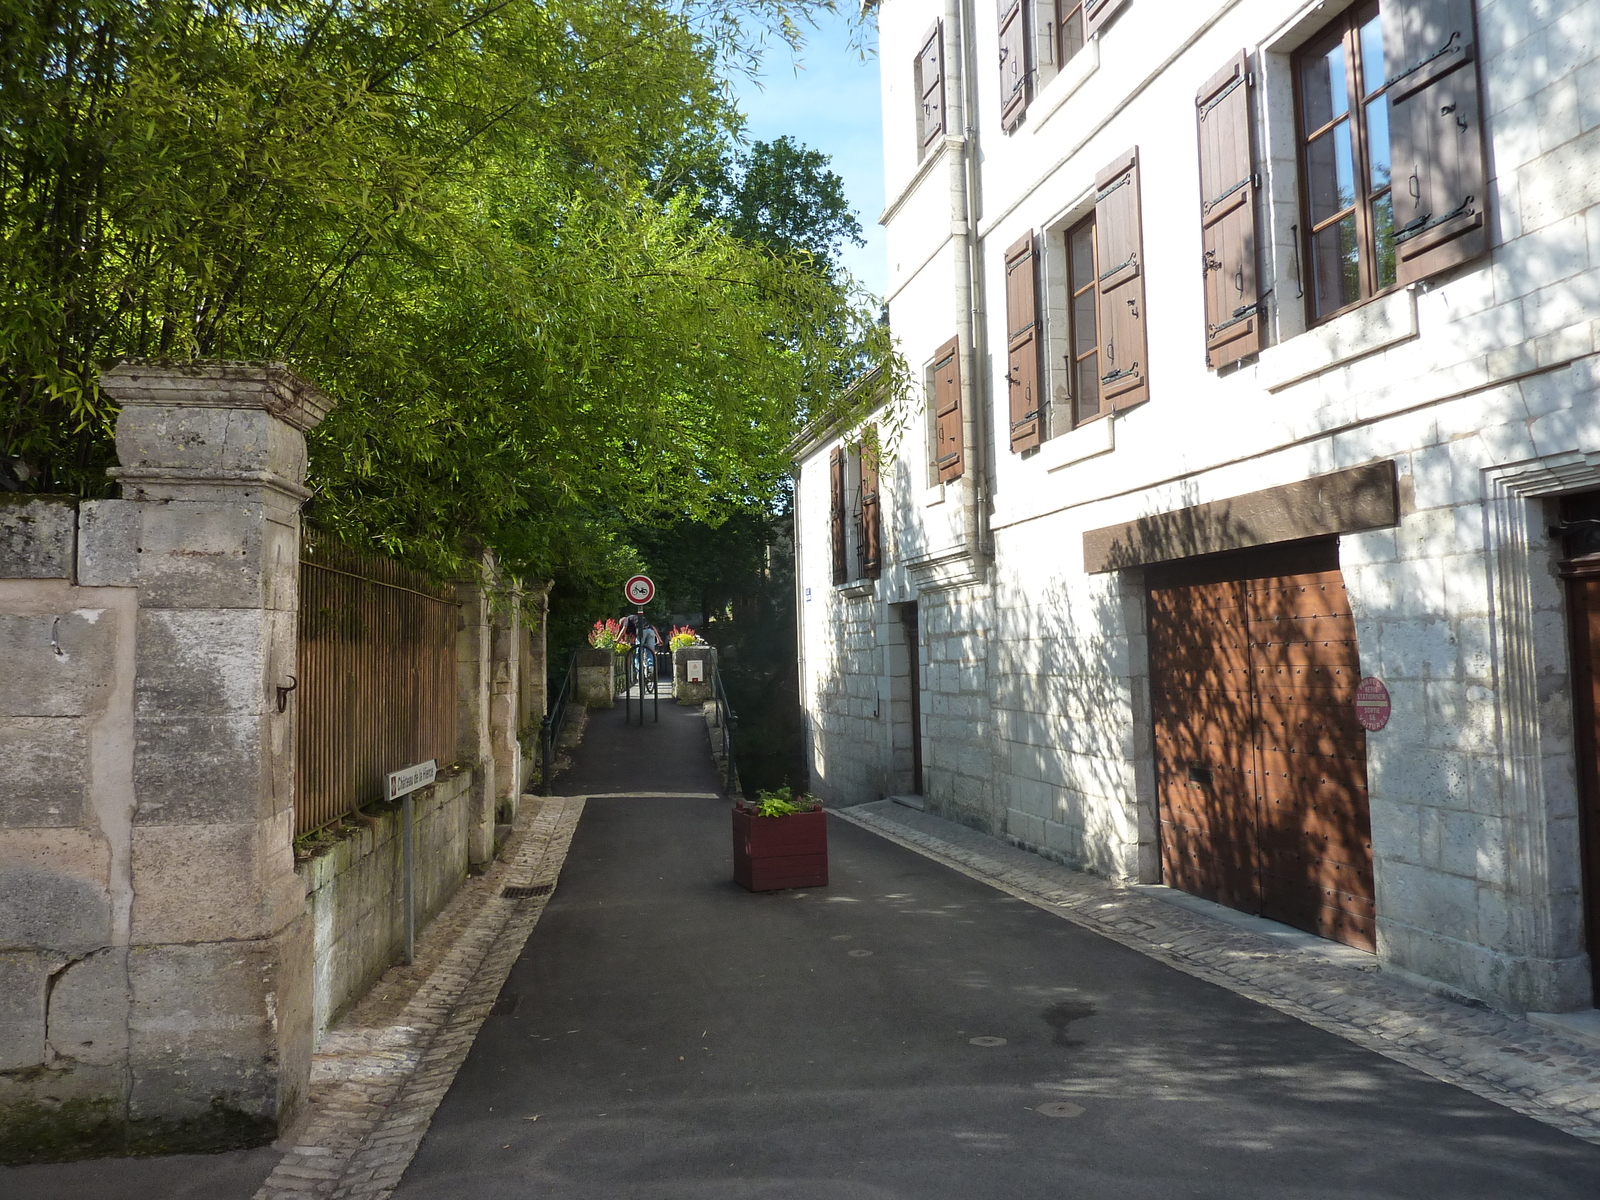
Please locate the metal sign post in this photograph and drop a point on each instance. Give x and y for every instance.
(639, 591)
(399, 784)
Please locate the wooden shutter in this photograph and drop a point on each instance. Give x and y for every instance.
(1225, 110)
(947, 458)
(1119, 243)
(1097, 13)
(1435, 136)
(930, 85)
(841, 566)
(871, 510)
(1014, 73)
(1022, 343)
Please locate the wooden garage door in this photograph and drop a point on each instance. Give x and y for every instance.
(1260, 763)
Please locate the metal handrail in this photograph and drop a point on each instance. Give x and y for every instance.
(726, 720)
(550, 727)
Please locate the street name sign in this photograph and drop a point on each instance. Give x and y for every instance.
(408, 779)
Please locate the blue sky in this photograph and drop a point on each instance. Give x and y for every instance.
(827, 98)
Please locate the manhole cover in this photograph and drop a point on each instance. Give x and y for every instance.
(987, 1041)
(523, 893)
(1060, 1108)
(859, 953)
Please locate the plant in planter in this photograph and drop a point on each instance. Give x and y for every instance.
(780, 841)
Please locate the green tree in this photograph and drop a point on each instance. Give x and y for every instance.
(443, 212)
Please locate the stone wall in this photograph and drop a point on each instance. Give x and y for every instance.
(162, 975)
(353, 892)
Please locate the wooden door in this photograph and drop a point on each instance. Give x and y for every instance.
(1581, 523)
(1260, 763)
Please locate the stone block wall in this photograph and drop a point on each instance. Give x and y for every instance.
(162, 976)
(352, 892)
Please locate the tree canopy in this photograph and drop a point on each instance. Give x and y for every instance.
(457, 216)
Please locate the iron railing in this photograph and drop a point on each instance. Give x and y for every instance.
(375, 678)
(550, 727)
(727, 722)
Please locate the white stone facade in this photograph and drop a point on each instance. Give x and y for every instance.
(1478, 384)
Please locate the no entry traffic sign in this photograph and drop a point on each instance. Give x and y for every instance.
(639, 590)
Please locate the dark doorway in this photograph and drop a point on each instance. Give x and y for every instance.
(1580, 517)
(908, 619)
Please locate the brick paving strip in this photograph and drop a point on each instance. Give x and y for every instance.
(379, 1076)
(1505, 1059)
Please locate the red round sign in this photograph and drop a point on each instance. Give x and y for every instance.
(639, 590)
(1372, 704)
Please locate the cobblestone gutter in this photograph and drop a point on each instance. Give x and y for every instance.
(381, 1073)
(1506, 1059)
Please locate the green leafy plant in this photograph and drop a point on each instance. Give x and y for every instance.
(682, 636)
(782, 803)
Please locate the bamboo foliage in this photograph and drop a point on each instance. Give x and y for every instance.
(441, 210)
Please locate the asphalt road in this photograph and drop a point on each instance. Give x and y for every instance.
(906, 1032)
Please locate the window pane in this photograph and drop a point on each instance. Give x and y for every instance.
(1331, 173)
(1088, 390)
(1071, 32)
(1084, 336)
(1336, 265)
(1372, 69)
(1323, 86)
(1081, 247)
(1383, 232)
(1378, 141)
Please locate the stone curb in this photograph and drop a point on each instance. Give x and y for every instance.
(366, 1132)
(1502, 1058)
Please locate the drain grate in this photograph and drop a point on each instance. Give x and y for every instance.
(522, 893)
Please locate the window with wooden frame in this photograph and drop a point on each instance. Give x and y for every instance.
(1016, 65)
(929, 74)
(944, 417)
(1069, 35)
(1343, 125)
(869, 529)
(836, 518)
(1083, 322)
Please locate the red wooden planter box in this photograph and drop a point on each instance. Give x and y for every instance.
(773, 853)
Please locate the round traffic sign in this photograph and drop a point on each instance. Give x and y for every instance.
(639, 590)
(1372, 704)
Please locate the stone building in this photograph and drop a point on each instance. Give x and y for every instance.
(1239, 536)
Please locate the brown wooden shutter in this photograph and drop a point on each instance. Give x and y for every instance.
(947, 458)
(930, 83)
(871, 510)
(841, 565)
(1096, 13)
(1022, 343)
(1015, 77)
(1225, 109)
(1124, 351)
(1435, 136)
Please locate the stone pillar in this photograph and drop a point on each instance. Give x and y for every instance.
(687, 690)
(597, 679)
(505, 671)
(474, 747)
(178, 1011)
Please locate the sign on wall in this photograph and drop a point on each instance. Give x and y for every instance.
(1372, 704)
(696, 670)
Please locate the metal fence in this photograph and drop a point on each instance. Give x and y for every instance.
(376, 678)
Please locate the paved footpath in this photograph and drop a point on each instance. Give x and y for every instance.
(951, 1017)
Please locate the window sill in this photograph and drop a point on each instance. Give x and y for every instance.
(857, 587)
(1386, 321)
(1088, 440)
(1067, 81)
(924, 168)
(933, 496)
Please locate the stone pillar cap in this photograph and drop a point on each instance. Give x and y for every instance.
(270, 386)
